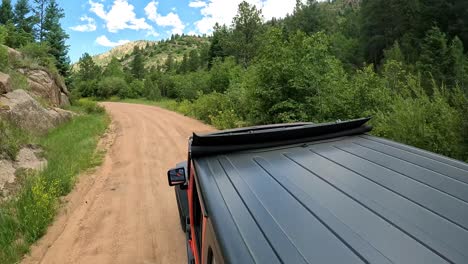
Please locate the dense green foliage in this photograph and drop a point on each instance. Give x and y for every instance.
(36, 28)
(70, 150)
(400, 62)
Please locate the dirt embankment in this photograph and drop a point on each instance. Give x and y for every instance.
(125, 212)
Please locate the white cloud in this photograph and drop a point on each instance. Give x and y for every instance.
(120, 16)
(104, 41)
(152, 33)
(88, 27)
(278, 8)
(169, 20)
(222, 11)
(197, 4)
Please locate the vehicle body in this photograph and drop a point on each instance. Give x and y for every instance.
(327, 193)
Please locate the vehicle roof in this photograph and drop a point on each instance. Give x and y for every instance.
(353, 199)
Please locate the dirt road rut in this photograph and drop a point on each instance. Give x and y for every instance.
(125, 212)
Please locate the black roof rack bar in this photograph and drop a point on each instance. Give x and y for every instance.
(272, 136)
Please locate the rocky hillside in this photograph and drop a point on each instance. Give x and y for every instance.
(32, 97)
(155, 53)
(31, 102)
(121, 51)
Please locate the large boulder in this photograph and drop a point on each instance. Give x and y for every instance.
(7, 173)
(5, 83)
(13, 55)
(64, 101)
(20, 108)
(29, 158)
(47, 86)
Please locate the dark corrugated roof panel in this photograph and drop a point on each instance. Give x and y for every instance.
(357, 199)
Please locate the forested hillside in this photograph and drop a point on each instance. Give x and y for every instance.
(155, 53)
(120, 51)
(403, 62)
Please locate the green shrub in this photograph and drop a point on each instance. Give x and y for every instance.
(114, 98)
(135, 90)
(185, 107)
(4, 59)
(209, 105)
(19, 81)
(226, 119)
(36, 207)
(37, 54)
(169, 104)
(150, 90)
(90, 106)
(3, 33)
(425, 122)
(110, 86)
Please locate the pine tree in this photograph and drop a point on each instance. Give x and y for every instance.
(88, 68)
(56, 37)
(137, 67)
(451, 16)
(3, 34)
(247, 26)
(193, 62)
(434, 61)
(457, 63)
(218, 43)
(183, 67)
(40, 9)
(394, 53)
(386, 21)
(306, 17)
(151, 90)
(6, 12)
(21, 18)
(114, 69)
(169, 63)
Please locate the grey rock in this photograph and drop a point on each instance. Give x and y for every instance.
(7, 173)
(64, 101)
(29, 158)
(5, 83)
(13, 54)
(27, 113)
(47, 86)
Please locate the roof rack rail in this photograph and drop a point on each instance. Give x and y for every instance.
(272, 136)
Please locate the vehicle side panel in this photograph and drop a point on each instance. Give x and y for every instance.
(192, 242)
(210, 244)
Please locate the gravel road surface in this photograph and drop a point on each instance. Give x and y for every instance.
(125, 212)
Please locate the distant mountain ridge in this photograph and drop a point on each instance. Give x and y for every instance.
(121, 51)
(154, 52)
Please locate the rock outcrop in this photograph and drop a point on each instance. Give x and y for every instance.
(13, 54)
(47, 86)
(5, 83)
(7, 173)
(28, 159)
(21, 109)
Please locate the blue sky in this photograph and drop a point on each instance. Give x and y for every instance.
(95, 26)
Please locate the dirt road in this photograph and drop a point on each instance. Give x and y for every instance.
(125, 212)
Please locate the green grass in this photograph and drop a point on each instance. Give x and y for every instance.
(11, 140)
(70, 149)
